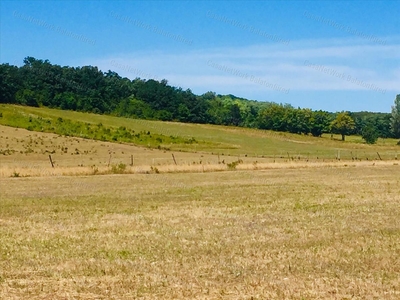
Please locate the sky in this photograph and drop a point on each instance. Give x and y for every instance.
(329, 55)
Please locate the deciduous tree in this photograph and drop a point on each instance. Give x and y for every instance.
(343, 124)
(395, 120)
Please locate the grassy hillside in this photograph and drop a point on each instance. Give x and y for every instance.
(219, 139)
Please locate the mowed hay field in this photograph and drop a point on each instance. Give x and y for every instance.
(238, 214)
(301, 233)
(214, 148)
(26, 153)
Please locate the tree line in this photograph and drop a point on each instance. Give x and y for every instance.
(88, 89)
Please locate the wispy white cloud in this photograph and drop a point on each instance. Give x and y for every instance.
(345, 65)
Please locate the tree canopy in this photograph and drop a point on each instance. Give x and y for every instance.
(343, 124)
(395, 118)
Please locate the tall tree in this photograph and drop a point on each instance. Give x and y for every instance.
(273, 117)
(343, 124)
(319, 122)
(10, 83)
(395, 120)
(236, 117)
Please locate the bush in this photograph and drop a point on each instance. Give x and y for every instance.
(118, 169)
(95, 170)
(369, 135)
(232, 165)
(155, 170)
(15, 174)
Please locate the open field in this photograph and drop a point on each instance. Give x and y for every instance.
(281, 219)
(26, 153)
(231, 141)
(325, 233)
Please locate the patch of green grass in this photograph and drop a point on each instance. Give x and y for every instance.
(20, 118)
(118, 169)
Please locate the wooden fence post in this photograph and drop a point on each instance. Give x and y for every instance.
(51, 161)
(109, 161)
(379, 155)
(174, 158)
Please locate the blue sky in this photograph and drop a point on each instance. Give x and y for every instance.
(330, 55)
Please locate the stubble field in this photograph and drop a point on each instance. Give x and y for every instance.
(302, 233)
(238, 214)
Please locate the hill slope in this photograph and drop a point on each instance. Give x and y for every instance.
(208, 138)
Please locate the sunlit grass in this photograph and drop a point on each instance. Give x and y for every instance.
(248, 214)
(324, 233)
(234, 140)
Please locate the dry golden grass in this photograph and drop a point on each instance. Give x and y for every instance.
(26, 150)
(265, 228)
(286, 233)
(47, 171)
(28, 155)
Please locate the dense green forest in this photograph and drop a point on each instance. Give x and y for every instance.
(40, 83)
